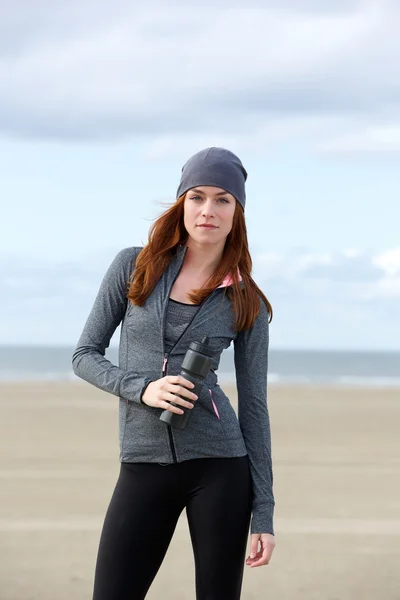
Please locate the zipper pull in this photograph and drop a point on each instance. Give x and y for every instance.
(214, 405)
(165, 363)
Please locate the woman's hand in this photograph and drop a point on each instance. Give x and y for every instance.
(161, 392)
(262, 556)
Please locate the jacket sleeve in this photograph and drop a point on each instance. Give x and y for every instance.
(251, 366)
(88, 360)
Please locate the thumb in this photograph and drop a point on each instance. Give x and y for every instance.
(253, 546)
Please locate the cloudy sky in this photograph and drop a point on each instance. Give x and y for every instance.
(101, 103)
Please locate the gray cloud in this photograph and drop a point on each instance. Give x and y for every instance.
(99, 71)
(315, 297)
(296, 270)
(23, 279)
(358, 277)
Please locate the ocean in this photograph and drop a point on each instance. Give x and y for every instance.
(340, 368)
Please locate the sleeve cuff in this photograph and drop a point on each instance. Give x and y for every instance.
(146, 383)
(262, 519)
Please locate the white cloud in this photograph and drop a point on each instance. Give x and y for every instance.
(389, 262)
(257, 74)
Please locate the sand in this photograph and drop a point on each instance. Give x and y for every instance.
(336, 456)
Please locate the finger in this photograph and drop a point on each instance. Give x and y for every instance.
(185, 382)
(253, 547)
(263, 557)
(250, 561)
(185, 392)
(177, 400)
(179, 380)
(252, 557)
(169, 406)
(259, 563)
(181, 391)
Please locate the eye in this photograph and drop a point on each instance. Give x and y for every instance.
(222, 200)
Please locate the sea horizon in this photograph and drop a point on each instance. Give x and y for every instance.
(367, 368)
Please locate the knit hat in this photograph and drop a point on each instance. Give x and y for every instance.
(214, 166)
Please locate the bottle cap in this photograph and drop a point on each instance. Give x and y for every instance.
(202, 347)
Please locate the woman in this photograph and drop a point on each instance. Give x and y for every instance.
(191, 280)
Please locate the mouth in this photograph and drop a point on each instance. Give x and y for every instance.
(207, 226)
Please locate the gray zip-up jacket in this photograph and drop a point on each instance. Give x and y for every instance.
(212, 430)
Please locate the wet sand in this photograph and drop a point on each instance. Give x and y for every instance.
(336, 456)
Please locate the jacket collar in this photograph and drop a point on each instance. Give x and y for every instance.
(181, 253)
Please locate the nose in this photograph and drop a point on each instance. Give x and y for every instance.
(208, 208)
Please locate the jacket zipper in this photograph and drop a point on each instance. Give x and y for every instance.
(171, 439)
(164, 372)
(167, 354)
(164, 366)
(165, 369)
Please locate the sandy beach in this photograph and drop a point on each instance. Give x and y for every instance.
(336, 455)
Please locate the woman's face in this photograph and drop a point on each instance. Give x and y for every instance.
(212, 206)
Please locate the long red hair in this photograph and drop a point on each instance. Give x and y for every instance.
(167, 232)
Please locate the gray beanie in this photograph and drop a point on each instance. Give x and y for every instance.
(214, 166)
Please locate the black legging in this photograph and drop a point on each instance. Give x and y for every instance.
(142, 516)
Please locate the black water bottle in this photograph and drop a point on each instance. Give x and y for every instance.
(195, 367)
